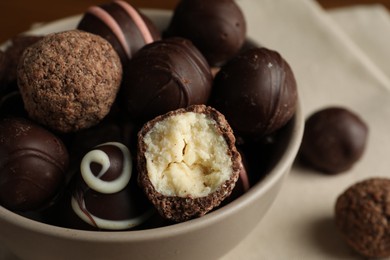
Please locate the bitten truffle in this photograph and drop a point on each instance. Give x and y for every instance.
(217, 28)
(362, 216)
(334, 140)
(256, 91)
(33, 165)
(69, 80)
(164, 76)
(187, 162)
(122, 25)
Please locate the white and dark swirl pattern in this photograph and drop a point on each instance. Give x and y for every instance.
(104, 197)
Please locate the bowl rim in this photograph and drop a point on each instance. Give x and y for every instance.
(278, 171)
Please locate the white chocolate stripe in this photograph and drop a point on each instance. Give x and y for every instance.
(137, 20)
(100, 157)
(107, 19)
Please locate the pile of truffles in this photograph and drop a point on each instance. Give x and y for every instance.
(114, 125)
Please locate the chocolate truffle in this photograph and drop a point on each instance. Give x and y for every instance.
(164, 76)
(69, 80)
(334, 139)
(256, 91)
(217, 27)
(122, 25)
(33, 165)
(104, 197)
(11, 58)
(362, 215)
(187, 161)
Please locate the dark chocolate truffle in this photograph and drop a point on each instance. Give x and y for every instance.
(122, 25)
(33, 165)
(11, 58)
(104, 197)
(217, 27)
(256, 91)
(334, 139)
(69, 80)
(187, 161)
(164, 76)
(362, 216)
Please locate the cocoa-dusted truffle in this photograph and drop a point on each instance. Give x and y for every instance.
(104, 196)
(362, 216)
(125, 27)
(164, 76)
(256, 91)
(33, 165)
(187, 161)
(69, 80)
(334, 140)
(217, 27)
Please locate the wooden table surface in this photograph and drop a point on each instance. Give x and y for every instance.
(18, 15)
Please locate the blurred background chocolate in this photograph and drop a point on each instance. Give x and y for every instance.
(334, 140)
(217, 28)
(9, 60)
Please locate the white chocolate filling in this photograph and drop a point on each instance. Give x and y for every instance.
(185, 155)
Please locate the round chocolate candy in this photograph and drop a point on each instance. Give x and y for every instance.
(217, 28)
(256, 91)
(334, 139)
(187, 162)
(104, 197)
(122, 25)
(164, 76)
(362, 217)
(69, 80)
(33, 165)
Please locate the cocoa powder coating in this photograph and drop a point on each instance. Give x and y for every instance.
(362, 217)
(69, 80)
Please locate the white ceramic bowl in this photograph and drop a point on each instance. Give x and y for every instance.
(208, 237)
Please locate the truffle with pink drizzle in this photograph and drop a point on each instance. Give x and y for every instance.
(122, 25)
(104, 196)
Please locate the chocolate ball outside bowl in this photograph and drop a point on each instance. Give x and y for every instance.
(334, 140)
(362, 215)
(217, 28)
(256, 91)
(164, 76)
(69, 80)
(33, 165)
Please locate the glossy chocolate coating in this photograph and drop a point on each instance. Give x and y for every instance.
(334, 139)
(108, 199)
(33, 164)
(217, 27)
(164, 76)
(102, 20)
(256, 91)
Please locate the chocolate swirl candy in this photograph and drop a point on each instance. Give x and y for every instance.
(164, 76)
(104, 197)
(33, 165)
(122, 25)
